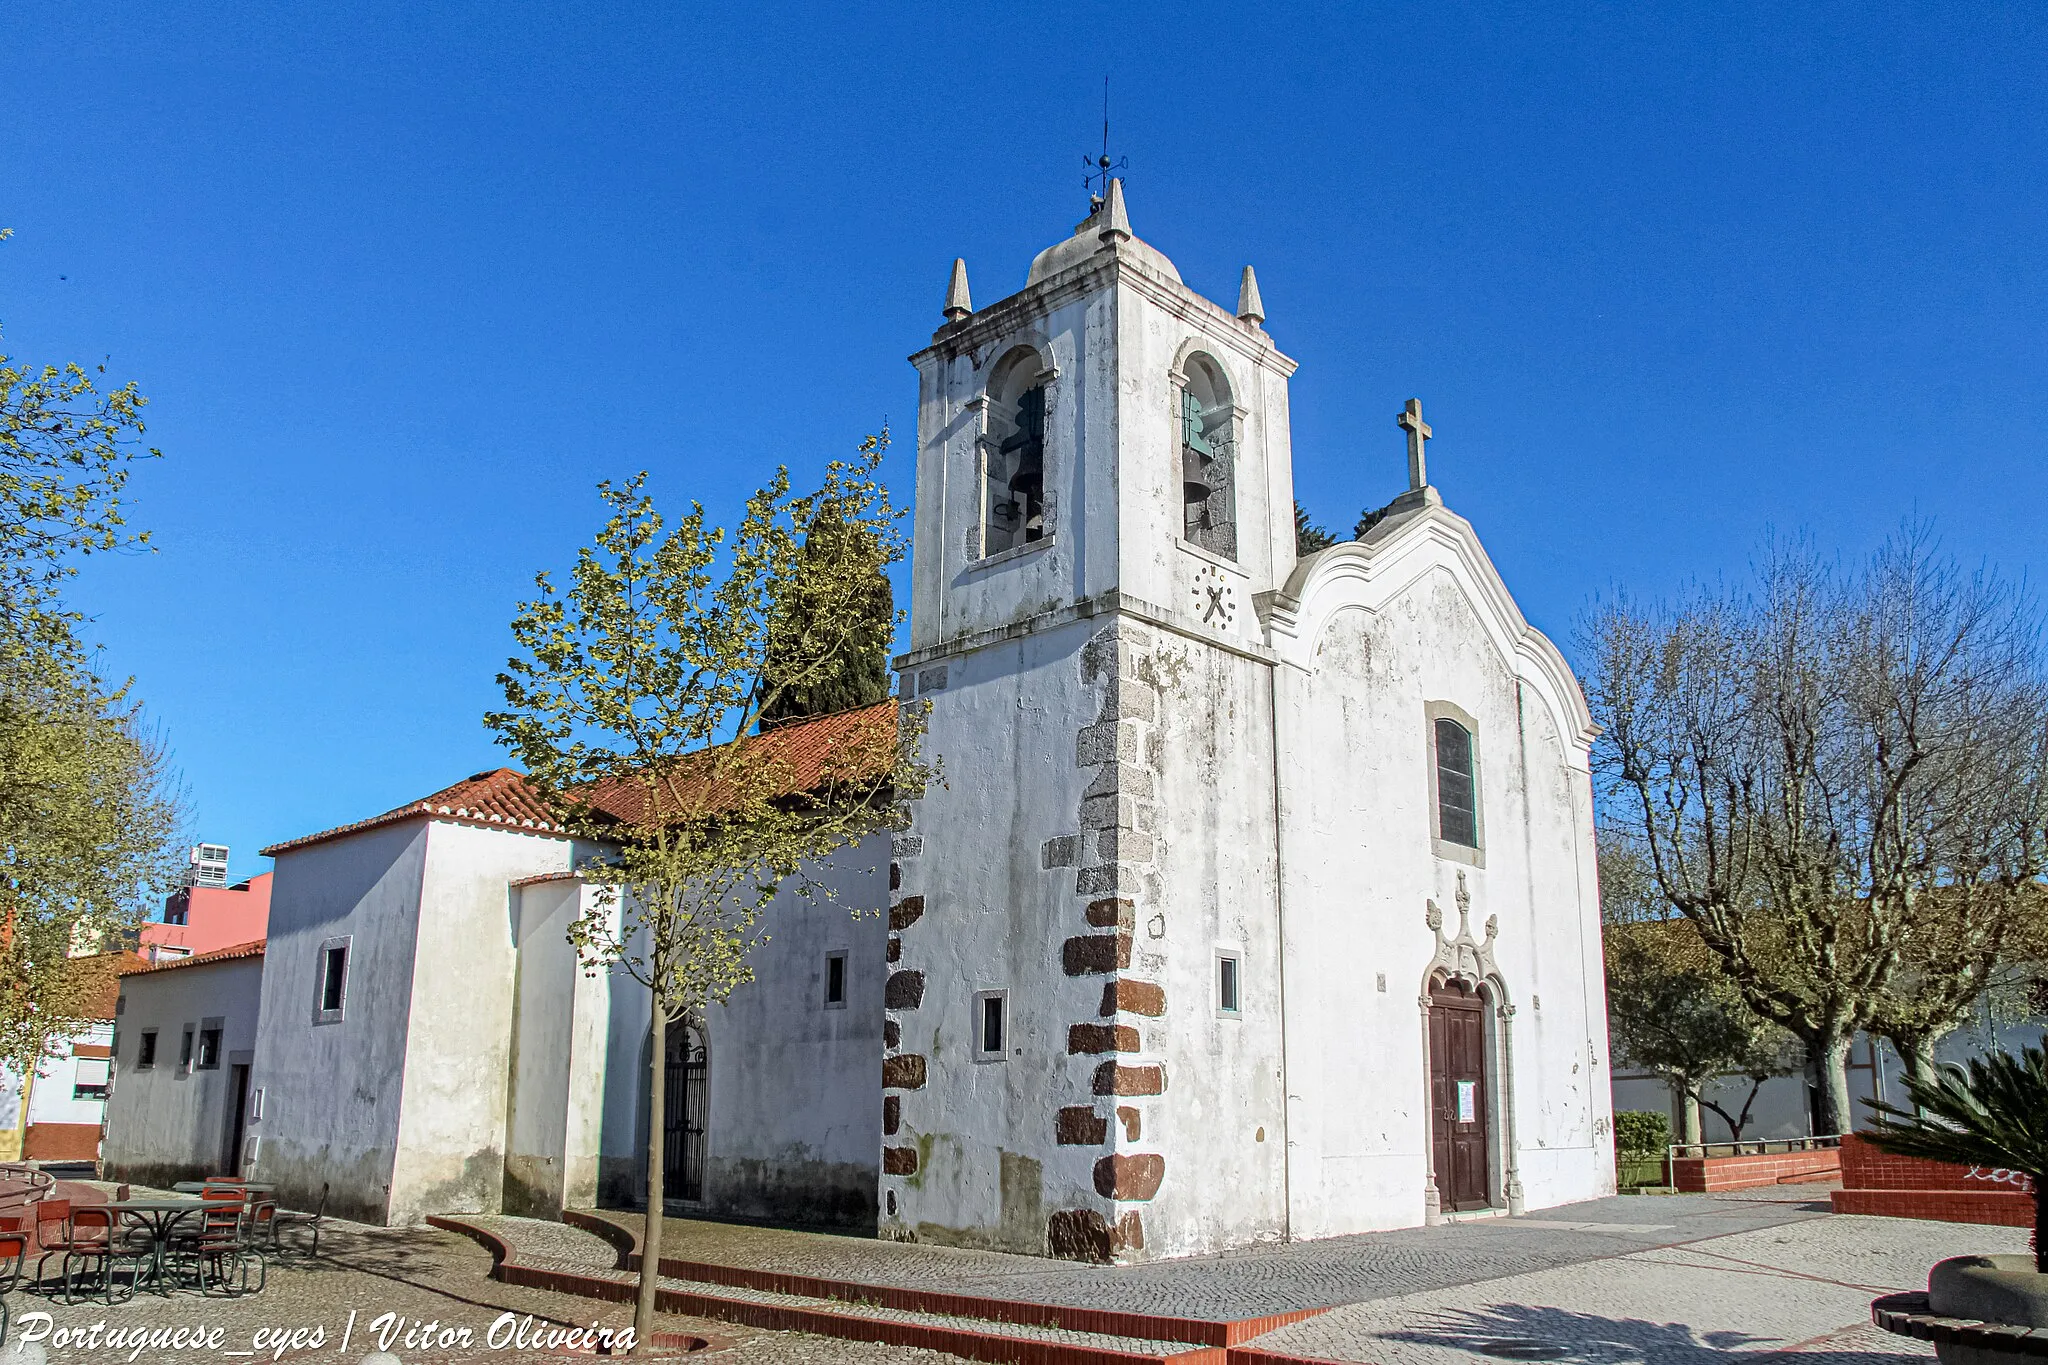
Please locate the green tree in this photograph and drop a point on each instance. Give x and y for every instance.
(67, 447)
(89, 808)
(1309, 537)
(859, 675)
(1991, 1112)
(90, 813)
(1671, 1009)
(623, 705)
(1840, 780)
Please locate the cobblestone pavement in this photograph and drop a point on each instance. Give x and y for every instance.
(1675, 1280)
(1260, 1281)
(1799, 1286)
(422, 1275)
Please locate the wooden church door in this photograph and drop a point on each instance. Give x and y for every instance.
(1457, 1069)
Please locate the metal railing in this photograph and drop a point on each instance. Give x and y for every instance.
(1755, 1147)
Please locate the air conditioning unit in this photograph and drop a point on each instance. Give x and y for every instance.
(209, 865)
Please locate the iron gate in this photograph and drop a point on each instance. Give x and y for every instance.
(686, 1102)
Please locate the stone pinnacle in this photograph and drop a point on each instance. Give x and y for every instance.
(958, 304)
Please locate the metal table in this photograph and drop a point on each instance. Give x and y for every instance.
(252, 1186)
(159, 1216)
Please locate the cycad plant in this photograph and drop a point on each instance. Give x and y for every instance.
(1993, 1112)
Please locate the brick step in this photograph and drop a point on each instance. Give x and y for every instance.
(973, 1327)
(1100, 1321)
(971, 1338)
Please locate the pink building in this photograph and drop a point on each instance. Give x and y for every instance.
(200, 919)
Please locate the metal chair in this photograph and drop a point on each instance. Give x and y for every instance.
(13, 1251)
(281, 1217)
(219, 1253)
(97, 1242)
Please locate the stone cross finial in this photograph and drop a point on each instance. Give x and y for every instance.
(1418, 431)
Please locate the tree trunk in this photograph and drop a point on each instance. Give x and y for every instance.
(1689, 1115)
(1917, 1052)
(650, 1241)
(1831, 1059)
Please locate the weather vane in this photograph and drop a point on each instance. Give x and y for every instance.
(1100, 169)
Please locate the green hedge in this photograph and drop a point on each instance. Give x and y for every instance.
(1642, 1132)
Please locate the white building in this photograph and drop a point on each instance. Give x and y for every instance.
(1258, 901)
(184, 1047)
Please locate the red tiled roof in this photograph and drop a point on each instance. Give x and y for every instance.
(852, 743)
(253, 948)
(499, 798)
(844, 745)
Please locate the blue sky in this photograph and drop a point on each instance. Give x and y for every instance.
(404, 282)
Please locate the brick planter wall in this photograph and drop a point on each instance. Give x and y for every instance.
(1704, 1175)
(1875, 1182)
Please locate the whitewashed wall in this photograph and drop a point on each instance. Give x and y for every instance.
(451, 1133)
(1373, 634)
(558, 1056)
(401, 1105)
(794, 1112)
(167, 1123)
(333, 1091)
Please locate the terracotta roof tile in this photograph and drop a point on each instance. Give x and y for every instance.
(850, 743)
(499, 798)
(254, 948)
(846, 744)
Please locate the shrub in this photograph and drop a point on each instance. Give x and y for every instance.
(1642, 1132)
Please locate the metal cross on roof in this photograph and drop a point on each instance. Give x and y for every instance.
(1418, 431)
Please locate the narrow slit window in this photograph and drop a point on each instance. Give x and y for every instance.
(336, 978)
(185, 1052)
(1227, 983)
(145, 1050)
(991, 1024)
(332, 981)
(835, 979)
(1457, 811)
(209, 1049)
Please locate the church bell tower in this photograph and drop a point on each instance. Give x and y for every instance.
(1083, 1032)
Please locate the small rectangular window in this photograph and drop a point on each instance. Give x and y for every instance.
(332, 1001)
(185, 1052)
(145, 1050)
(835, 980)
(991, 1025)
(1227, 967)
(209, 1048)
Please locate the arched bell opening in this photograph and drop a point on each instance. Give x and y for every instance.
(1013, 474)
(1207, 428)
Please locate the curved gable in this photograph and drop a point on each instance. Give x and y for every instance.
(1393, 557)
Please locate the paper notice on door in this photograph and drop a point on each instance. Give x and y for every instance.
(1468, 1101)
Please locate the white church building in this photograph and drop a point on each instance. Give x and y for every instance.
(1259, 901)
